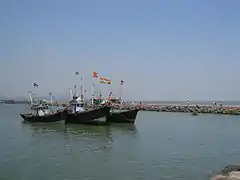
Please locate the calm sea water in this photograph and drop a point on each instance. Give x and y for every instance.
(160, 146)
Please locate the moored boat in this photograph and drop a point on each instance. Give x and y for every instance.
(43, 117)
(121, 116)
(78, 114)
(41, 112)
(94, 116)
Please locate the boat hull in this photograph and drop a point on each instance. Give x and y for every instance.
(96, 116)
(123, 117)
(54, 117)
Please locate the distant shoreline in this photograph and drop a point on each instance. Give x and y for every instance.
(13, 102)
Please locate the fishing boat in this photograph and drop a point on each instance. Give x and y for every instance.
(78, 114)
(42, 112)
(122, 116)
(119, 115)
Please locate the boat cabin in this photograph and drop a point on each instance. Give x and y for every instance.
(98, 101)
(40, 110)
(76, 105)
(115, 100)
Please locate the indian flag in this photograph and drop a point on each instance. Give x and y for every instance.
(104, 80)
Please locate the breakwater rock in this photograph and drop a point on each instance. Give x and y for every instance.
(185, 108)
(211, 109)
(231, 172)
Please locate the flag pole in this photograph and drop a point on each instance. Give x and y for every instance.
(75, 86)
(94, 76)
(121, 90)
(32, 99)
(93, 92)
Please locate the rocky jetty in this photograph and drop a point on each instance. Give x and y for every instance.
(231, 172)
(184, 108)
(193, 109)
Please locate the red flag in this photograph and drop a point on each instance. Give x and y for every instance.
(95, 74)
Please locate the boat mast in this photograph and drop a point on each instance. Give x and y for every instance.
(93, 93)
(71, 93)
(120, 93)
(121, 90)
(35, 85)
(51, 98)
(75, 86)
(81, 85)
(81, 88)
(75, 91)
(30, 97)
(109, 96)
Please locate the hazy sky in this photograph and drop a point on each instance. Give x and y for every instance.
(163, 50)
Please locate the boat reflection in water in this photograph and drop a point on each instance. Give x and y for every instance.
(123, 116)
(44, 128)
(80, 129)
(78, 138)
